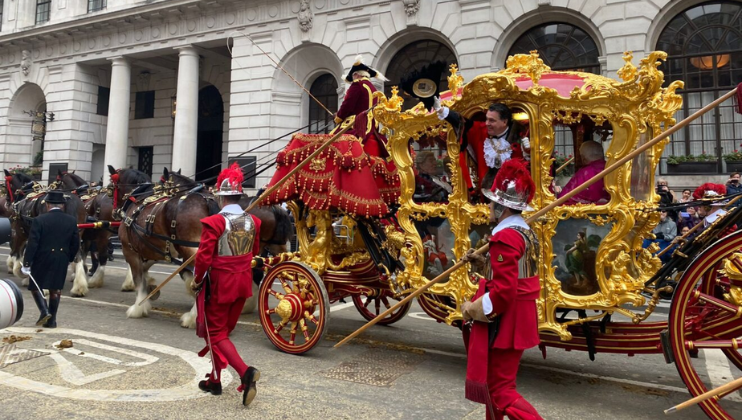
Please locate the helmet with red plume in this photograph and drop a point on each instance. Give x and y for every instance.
(230, 180)
(513, 186)
(710, 191)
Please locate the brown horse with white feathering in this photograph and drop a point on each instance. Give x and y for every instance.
(164, 224)
(98, 207)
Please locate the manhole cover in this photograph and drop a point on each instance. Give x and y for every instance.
(9, 354)
(374, 368)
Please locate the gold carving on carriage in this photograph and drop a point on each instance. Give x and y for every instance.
(635, 109)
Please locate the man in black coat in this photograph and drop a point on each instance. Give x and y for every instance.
(52, 244)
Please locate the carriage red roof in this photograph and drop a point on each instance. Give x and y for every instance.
(562, 83)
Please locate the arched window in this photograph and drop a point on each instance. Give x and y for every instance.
(413, 57)
(562, 47)
(325, 90)
(704, 47)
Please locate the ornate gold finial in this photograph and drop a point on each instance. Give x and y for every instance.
(529, 64)
(628, 71)
(455, 81)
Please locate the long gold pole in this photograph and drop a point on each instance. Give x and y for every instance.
(346, 126)
(546, 209)
(730, 387)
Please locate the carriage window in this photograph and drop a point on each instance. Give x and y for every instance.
(579, 154)
(576, 244)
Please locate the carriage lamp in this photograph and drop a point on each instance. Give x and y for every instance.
(707, 62)
(173, 103)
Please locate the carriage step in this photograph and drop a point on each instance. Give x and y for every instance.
(666, 346)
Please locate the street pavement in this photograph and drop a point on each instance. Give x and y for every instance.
(415, 369)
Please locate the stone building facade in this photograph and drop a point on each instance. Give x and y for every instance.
(185, 84)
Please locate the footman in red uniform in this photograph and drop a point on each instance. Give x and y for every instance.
(223, 279)
(503, 315)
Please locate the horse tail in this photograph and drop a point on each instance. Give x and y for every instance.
(283, 230)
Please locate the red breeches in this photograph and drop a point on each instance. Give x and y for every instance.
(501, 374)
(372, 146)
(221, 319)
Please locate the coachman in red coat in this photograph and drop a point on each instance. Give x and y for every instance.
(358, 101)
(502, 318)
(223, 279)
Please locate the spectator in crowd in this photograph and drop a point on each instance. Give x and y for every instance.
(664, 234)
(688, 218)
(686, 197)
(734, 187)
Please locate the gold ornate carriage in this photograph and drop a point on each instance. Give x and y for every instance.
(608, 268)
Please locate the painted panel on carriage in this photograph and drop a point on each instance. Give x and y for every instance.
(575, 244)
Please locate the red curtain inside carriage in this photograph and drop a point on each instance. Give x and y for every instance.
(342, 177)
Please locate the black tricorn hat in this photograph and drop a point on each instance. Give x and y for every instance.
(55, 197)
(358, 65)
(423, 84)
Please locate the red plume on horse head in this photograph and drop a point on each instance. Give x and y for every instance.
(229, 181)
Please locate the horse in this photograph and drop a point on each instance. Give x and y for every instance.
(27, 197)
(98, 207)
(162, 223)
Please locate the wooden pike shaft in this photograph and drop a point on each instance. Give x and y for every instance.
(730, 387)
(548, 208)
(348, 124)
(564, 165)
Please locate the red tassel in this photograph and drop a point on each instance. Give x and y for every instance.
(739, 98)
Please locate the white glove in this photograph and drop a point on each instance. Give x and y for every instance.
(526, 143)
(437, 103)
(442, 112)
(26, 270)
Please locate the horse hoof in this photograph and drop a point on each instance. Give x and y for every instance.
(156, 295)
(76, 295)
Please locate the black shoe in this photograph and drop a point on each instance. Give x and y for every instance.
(249, 388)
(215, 388)
(43, 309)
(51, 323)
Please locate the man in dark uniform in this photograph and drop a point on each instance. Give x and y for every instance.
(52, 245)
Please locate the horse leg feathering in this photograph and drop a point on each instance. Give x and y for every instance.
(80, 284)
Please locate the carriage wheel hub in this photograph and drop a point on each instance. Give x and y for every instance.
(290, 308)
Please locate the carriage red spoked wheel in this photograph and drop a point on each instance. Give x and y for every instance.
(371, 306)
(702, 320)
(294, 307)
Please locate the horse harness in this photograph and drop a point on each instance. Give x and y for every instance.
(158, 202)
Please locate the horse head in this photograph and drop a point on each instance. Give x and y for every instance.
(124, 181)
(18, 183)
(70, 180)
(181, 182)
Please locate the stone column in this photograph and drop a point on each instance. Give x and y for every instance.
(117, 132)
(185, 133)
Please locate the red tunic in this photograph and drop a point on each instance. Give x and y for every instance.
(231, 276)
(513, 298)
(358, 99)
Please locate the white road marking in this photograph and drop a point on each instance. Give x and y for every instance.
(184, 392)
(420, 315)
(340, 306)
(72, 374)
(717, 367)
(463, 357)
(148, 360)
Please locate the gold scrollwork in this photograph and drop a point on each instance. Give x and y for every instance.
(633, 109)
